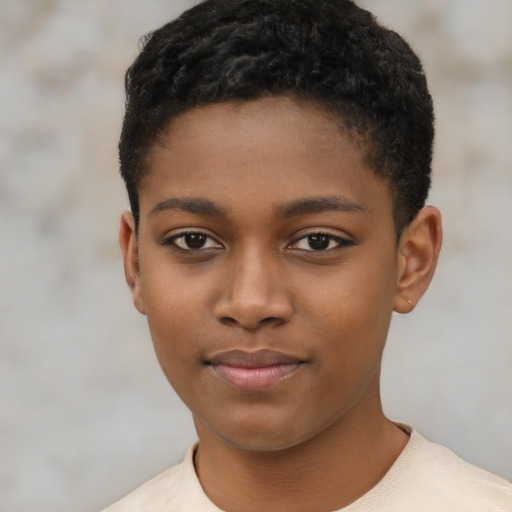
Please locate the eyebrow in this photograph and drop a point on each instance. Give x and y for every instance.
(195, 205)
(304, 206)
(310, 205)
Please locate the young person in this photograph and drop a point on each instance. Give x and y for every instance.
(277, 159)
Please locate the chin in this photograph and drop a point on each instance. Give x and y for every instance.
(264, 435)
(260, 443)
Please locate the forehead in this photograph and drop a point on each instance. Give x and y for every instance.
(285, 122)
(269, 150)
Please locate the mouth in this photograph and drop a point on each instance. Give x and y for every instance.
(252, 372)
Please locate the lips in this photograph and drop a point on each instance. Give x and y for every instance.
(254, 371)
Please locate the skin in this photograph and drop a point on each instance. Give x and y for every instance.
(254, 181)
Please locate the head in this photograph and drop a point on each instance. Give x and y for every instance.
(332, 54)
(273, 151)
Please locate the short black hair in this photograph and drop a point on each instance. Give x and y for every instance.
(331, 52)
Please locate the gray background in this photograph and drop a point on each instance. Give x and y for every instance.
(86, 414)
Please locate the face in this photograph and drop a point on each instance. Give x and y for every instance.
(267, 268)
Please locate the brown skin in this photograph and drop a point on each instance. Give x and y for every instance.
(317, 440)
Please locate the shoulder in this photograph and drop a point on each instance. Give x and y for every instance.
(175, 490)
(430, 477)
(149, 495)
(441, 466)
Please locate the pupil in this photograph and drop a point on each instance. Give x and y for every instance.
(318, 242)
(195, 240)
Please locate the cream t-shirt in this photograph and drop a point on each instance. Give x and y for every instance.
(426, 477)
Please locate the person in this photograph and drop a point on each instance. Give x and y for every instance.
(277, 158)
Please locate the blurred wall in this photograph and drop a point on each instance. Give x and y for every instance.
(86, 414)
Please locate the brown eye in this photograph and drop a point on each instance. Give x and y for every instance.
(319, 242)
(194, 241)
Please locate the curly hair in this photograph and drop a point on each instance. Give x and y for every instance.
(331, 52)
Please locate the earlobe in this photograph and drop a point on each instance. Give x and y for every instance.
(419, 248)
(128, 243)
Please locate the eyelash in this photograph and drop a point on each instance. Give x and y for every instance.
(319, 237)
(172, 240)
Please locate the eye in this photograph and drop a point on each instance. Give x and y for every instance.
(319, 242)
(193, 241)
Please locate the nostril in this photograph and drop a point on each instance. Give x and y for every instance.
(232, 322)
(271, 320)
(251, 307)
(227, 321)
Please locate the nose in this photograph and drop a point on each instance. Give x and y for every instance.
(254, 293)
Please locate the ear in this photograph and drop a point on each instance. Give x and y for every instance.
(418, 253)
(128, 243)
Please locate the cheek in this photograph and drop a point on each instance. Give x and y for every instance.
(178, 304)
(174, 297)
(176, 347)
(358, 295)
(352, 311)
(171, 309)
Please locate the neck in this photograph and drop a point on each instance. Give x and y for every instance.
(324, 473)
